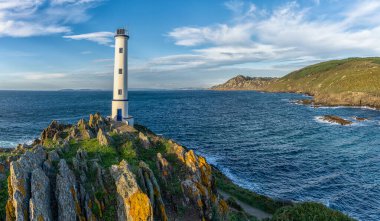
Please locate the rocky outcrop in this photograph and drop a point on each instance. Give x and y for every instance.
(80, 179)
(151, 187)
(66, 193)
(199, 187)
(103, 138)
(83, 131)
(132, 203)
(164, 167)
(336, 119)
(20, 176)
(97, 122)
(144, 140)
(40, 196)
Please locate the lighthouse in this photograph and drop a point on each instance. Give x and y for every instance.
(120, 79)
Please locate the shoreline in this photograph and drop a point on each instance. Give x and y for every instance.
(313, 102)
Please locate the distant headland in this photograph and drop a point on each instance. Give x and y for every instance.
(347, 82)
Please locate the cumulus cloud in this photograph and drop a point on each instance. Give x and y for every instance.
(288, 35)
(104, 38)
(24, 18)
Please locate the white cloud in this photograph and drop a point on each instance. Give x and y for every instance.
(24, 18)
(43, 76)
(289, 34)
(104, 38)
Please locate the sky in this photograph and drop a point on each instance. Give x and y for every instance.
(62, 44)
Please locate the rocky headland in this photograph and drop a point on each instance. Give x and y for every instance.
(347, 82)
(102, 170)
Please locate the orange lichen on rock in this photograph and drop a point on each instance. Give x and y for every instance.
(139, 206)
(223, 207)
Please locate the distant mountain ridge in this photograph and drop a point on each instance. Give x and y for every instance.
(348, 82)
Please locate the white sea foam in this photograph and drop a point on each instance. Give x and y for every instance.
(347, 107)
(12, 144)
(320, 119)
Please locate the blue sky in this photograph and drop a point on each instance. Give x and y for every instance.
(56, 44)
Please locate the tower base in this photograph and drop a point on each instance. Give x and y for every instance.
(129, 120)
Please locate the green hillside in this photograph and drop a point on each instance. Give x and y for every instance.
(352, 81)
(353, 74)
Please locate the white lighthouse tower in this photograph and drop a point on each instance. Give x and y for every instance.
(120, 79)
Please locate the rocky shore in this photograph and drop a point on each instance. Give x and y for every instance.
(102, 170)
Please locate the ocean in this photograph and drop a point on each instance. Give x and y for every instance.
(263, 141)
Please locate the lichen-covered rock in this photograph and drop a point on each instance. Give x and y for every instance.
(103, 138)
(178, 150)
(199, 186)
(66, 193)
(153, 189)
(19, 182)
(132, 203)
(40, 197)
(193, 195)
(164, 167)
(144, 140)
(97, 122)
(51, 130)
(83, 132)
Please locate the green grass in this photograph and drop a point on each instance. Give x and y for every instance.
(239, 216)
(258, 201)
(233, 204)
(49, 143)
(5, 155)
(107, 154)
(309, 212)
(128, 152)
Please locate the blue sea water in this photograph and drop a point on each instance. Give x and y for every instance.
(262, 141)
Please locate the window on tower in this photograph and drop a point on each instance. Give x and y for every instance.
(120, 50)
(120, 91)
(120, 71)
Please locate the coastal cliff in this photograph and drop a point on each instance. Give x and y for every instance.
(347, 82)
(103, 170)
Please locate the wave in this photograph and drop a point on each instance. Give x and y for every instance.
(346, 107)
(227, 172)
(13, 144)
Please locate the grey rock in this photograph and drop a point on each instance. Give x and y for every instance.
(129, 195)
(103, 138)
(53, 155)
(153, 189)
(39, 205)
(144, 140)
(20, 175)
(66, 192)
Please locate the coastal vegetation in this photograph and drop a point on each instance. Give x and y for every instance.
(102, 170)
(349, 82)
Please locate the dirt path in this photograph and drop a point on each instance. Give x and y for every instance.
(259, 214)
